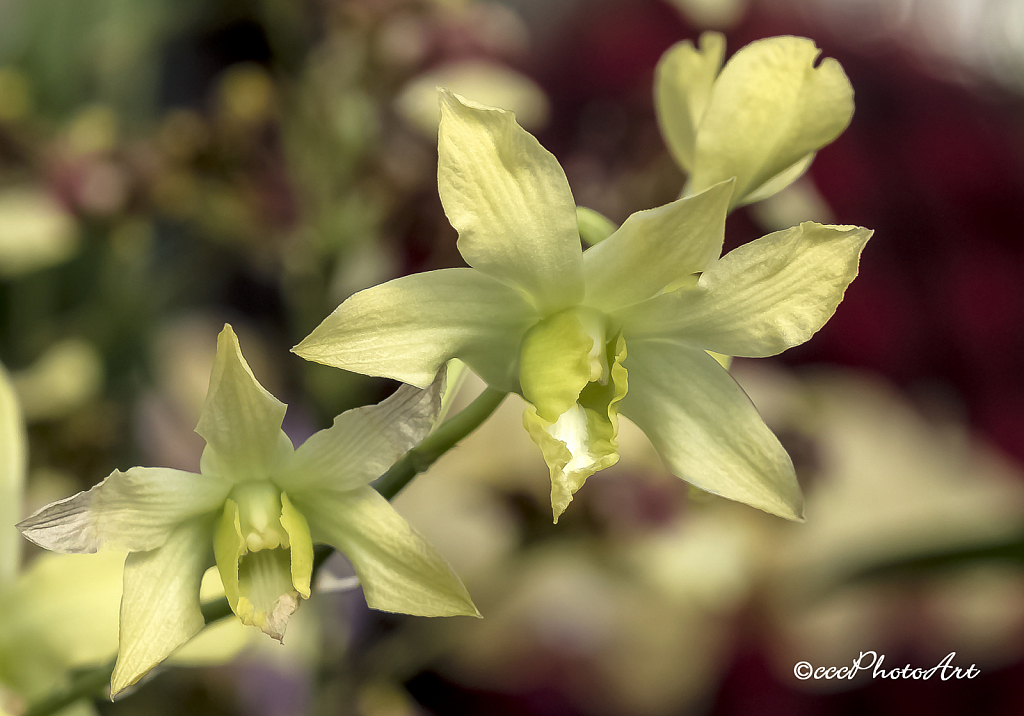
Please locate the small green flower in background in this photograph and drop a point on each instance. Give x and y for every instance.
(761, 119)
(255, 510)
(624, 327)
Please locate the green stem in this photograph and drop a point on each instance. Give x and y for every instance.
(93, 681)
(84, 684)
(438, 443)
(389, 484)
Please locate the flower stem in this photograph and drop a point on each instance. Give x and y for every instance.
(447, 436)
(417, 460)
(83, 684)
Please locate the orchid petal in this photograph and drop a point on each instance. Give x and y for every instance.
(769, 109)
(160, 607)
(364, 442)
(656, 248)
(399, 570)
(134, 511)
(300, 546)
(228, 548)
(706, 429)
(781, 180)
(555, 360)
(682, 87)
(241, 421)
(408, 328)
(761, 298)
(510, 201)
(12, 477)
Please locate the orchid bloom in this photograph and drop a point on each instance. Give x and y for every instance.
(60, 614)
(625, 326)
(760, 119)
(255, 509)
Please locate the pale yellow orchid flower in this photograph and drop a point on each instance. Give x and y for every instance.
(761, 118)
(255, 509)
(626, 325)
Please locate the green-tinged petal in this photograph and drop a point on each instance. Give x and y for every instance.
(582, 439)
(558, 357)
(770, 107)
(682, 87)
(723, 360)
(12, 477)
(656, 248)
(160, 606)
(241, 421)
(300, 546)
(134, 511)
(761, 298)
(594, 227)
(408, 328)
(706, 429)
(364, 442)
(399, 570)
(456, 375)
(780, 181)
(510, 201)
(228, 548)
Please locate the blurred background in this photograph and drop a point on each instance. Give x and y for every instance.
(169, 166)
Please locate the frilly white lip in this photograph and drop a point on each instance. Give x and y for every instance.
(571, 429)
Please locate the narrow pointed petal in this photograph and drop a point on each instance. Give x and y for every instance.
(160, 607)
(555, 360)
(241, 421)
(300, 546)
(510, 201)
(400, 572)
(770, 107)
(408, 328)
(706, 429)
(134, 511)
(12, 477)
(682, 87)
(656, 248)
(761, 298)
(364, 442)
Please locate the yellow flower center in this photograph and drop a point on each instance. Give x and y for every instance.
(265, 556)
